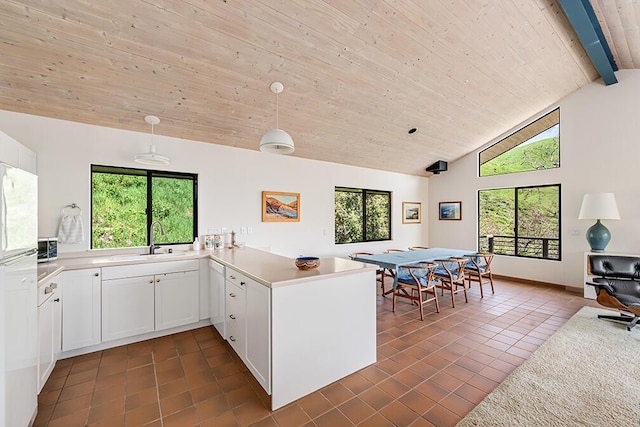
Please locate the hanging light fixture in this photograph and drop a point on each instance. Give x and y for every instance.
(276, 140)
(151, 158)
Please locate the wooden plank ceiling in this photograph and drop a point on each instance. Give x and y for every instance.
(358, 74)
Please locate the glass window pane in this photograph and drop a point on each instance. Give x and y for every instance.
(497, 221)
(378, 213)
(349, 218)
(533, 147)
(119, 205)
(172, 202)
(539, 222)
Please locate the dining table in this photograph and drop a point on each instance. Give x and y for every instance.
(394, 260)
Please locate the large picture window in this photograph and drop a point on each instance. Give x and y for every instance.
(362, 215)
(520, 221)
(125, 202)
(534, 147)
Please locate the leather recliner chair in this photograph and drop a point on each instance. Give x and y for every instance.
(617, 285)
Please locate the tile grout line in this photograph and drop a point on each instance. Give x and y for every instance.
(155, 376)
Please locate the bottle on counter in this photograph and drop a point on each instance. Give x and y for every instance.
(196, 244)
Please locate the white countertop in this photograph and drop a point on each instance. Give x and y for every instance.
(265, 267)
(275, 270)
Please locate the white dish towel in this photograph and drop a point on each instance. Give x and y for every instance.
(70, 229)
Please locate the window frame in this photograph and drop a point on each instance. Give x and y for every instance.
(364, 192)
(149, 174)
(516, 221)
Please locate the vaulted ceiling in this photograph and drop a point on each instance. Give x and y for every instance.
(358, 74)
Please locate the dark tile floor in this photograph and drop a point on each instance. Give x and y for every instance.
(428, 373)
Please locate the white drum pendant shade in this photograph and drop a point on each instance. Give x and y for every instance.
(151, 158)
(276, 140)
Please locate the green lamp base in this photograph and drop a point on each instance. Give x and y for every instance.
(598, 237)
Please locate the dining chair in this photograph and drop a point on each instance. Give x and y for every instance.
(421, 281)
(417, 248)
(479, 268)
(379, 272)
(450, 272)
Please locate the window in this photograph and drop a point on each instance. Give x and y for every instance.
(520, 221)
(534, 147)
(362, 215)
(125, 201)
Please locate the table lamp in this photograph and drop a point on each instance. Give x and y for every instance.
(598, 206)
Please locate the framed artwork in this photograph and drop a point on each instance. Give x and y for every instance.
(280, 207)
(411, 212)
(450, 211)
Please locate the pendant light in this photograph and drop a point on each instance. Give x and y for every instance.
(276, 140)
(151, 158)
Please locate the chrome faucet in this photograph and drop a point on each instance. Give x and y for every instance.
(152, 246)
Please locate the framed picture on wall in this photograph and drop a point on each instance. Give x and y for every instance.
(280, 207)
(450, 211)
(411, 212)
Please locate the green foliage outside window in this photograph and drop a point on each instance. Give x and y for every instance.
(522, 221)
(362, 215)
(120, 199)
(533, 147)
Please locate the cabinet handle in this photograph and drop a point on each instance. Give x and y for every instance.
(157, 280)
(48, 290)
(232, 277)
(56, 300)
(242, 283)
(231, 338)
(232, 295)
(232, 316)
(96, 274)
(150, 280)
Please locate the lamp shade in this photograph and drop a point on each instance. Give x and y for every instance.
(599, 206)
(277, 141)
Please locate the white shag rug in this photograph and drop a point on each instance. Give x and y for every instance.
(586, 374)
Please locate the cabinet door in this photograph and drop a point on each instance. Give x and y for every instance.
(216, 297)
(258, 333)
(81, 308)
(45, 341)
(127, 307)
(177, 299)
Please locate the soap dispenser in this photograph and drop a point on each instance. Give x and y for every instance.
(196, 244)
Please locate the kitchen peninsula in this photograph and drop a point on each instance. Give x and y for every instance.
(303, 329)
(295, 330)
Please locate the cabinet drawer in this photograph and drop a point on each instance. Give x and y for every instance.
(46, 290)
(236, 278)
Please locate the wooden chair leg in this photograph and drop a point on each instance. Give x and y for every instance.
(420, 303)
(393, 305)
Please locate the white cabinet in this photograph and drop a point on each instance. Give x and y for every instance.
(217, 297)
(127, 307)
(177, 299)
(80, 308)
(248, 324)
(235, 320)
(143, 298)
(49, 329)
(258, 335)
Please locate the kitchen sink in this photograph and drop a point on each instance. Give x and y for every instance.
(162, 255)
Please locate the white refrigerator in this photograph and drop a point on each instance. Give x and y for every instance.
(18, 296)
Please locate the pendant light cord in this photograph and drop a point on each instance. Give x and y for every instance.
(277, 122)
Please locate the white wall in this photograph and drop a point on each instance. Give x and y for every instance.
(231, 182)
(600, 152)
